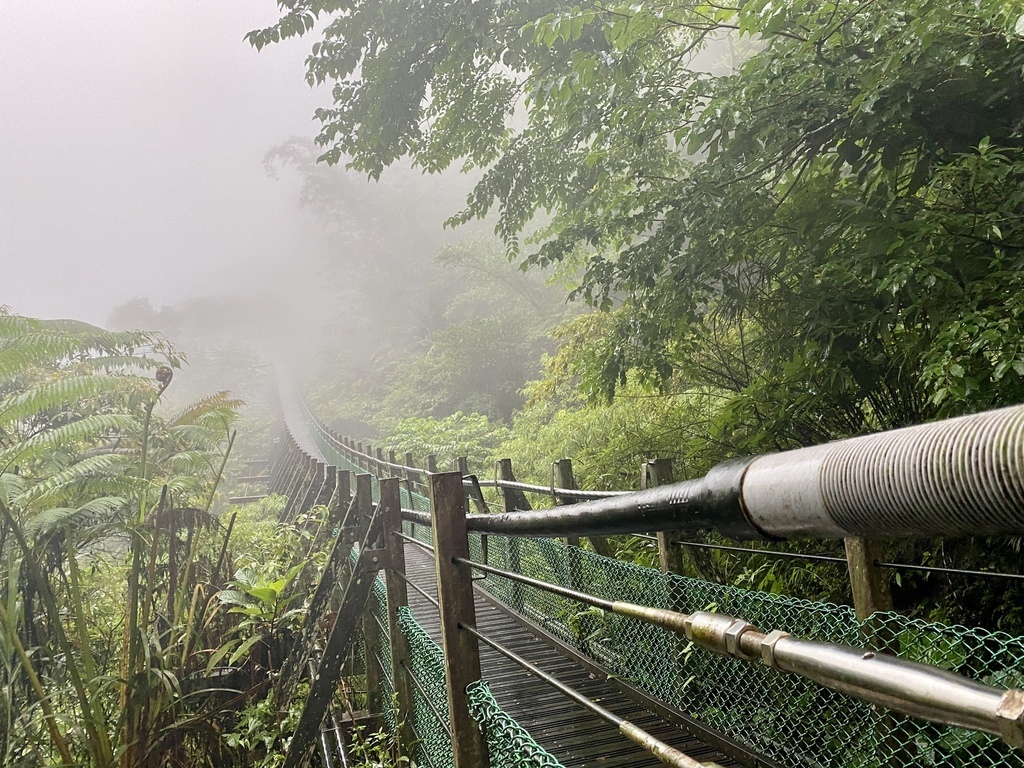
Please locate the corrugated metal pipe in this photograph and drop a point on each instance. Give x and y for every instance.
(962, 476)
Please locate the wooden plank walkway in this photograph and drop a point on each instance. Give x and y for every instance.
(568, 731)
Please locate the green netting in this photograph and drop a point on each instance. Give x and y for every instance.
(427, 663)
(509, 745)
(785, 717)
(792, 720)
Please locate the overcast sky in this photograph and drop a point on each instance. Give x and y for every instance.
(131, 143)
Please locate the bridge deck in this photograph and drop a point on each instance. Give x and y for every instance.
(568, 731)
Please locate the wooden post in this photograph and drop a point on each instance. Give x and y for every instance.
(380, 463)
(670, 555)
(371, 645)
(455, 597)
(869, 585)
(513, 500)
(368, 624)
(564, 479)
(410, 474)
(329, 486)
(401, 661)
(431, 463)
(342, 496)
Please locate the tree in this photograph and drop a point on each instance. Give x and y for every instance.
(831, 229)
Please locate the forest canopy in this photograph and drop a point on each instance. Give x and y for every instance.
(815, 208)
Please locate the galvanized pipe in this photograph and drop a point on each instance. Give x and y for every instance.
(915, 689)
(958, 477)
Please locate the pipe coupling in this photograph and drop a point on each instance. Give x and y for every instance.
(1010, 714)
(768, 647)
(717, 632)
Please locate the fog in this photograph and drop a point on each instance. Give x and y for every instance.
(132, 138)
(159, 173)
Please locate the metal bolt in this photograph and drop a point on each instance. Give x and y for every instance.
(768, 647)
(732, 638)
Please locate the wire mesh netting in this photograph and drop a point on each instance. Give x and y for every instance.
(509, 745)
(429, 721)
(783, 716)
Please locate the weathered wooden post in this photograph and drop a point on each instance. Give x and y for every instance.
(411, 475)
(512, 500)
(370, 627)
(670, 556)
(401, 661)
(563, 478)
(455, 598)
(328, 486)
(431, 463)
(342, 496)
(869, 585)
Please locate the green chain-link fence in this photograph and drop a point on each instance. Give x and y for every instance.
(783, 716)
(792, 720)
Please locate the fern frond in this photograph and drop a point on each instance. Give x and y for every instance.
(94, 512)
(218, 401)
(193, 462)
(57, 393)
(84, 430)
(88, 469)
(198, 436)
(11, 487)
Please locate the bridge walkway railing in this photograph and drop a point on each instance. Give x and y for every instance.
(787, 717)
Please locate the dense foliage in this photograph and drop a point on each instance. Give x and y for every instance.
(114, 574)
(803, 220)
(827, 225)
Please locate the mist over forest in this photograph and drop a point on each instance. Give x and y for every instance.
(613, 232)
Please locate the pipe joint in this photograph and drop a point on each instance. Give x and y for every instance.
(1010, 716)
(768, 644)
(717, 632)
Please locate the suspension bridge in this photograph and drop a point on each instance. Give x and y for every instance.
(489, 637)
